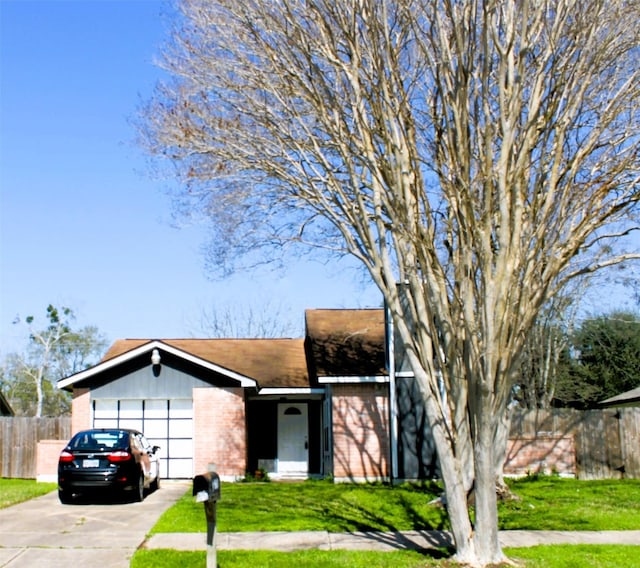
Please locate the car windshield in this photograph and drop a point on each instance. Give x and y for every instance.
(104, 440)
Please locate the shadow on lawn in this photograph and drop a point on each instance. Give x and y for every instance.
(386, 510)
(435, 544)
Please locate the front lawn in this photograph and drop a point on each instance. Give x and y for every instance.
(13, 491)
(553, 503)
(557, 556)
(311, 505)
(306, 558)
(545, 503)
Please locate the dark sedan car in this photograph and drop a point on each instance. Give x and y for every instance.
(113, 461)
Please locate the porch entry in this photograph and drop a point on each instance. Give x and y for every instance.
(293, 439)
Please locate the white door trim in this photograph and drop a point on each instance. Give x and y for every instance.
(293, 439)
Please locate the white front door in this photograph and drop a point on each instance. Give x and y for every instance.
(293, 439)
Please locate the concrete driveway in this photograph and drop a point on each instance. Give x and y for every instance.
(43, 532)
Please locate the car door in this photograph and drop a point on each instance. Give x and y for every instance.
(152, 458)
(137, 448)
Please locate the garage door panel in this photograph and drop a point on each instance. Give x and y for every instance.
(106, 423)
(180, 448)
(180, 429)
(181, 409)
(181, 468)
(155, 409)
(130, 409)
(155, 429)
(105, 409)
(131, 423)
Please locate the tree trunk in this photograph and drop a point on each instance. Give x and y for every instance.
(476, 546)
(39, 393)
(501, 442)
(487, 544)
(453, 475)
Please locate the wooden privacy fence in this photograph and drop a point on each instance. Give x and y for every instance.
(591, 444)
(19, 437)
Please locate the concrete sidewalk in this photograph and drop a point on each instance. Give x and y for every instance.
(381, 541)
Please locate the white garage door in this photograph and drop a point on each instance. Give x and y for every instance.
(165, 423)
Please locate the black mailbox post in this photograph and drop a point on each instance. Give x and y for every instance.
(206, 489)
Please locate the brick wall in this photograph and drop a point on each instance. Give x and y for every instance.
(80, 410)
(47, 460)
(219, 436)
(360, 432)
(542, 454)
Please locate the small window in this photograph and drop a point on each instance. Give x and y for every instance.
(292, 411)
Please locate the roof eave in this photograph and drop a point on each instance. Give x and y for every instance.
(68, 382)
(328, 380)
(629, 398)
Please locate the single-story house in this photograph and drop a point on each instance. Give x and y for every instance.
(329, 404)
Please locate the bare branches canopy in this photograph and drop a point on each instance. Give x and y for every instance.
(481, 153)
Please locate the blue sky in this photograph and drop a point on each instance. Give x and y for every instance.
(82, 224)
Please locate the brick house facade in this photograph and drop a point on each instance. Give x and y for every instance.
(360, 416)
(215, 411)
(317, 406)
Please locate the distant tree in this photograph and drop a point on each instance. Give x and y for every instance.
(246, 321)
(605, 360)
(53, 352)
(546, 344)
(545, 358)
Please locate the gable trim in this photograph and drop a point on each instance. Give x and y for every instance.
(348, 379)
(148, 348)
(285, 391)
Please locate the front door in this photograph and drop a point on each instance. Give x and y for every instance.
(293, 439)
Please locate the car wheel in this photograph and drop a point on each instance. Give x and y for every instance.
(65, 497)
(139, 489)
(155, 484)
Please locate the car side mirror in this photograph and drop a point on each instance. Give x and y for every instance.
(155, 449)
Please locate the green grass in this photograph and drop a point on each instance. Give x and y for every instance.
(545, 503)
(311, 505)
(553, 503)
(580, 555)
(557, 556)
(270, 559)
(13, 491)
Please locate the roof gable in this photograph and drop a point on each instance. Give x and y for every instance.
(347, 343)
(251, 362)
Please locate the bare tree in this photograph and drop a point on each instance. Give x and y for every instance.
(548, 341)
(481, 154)
(248, 321)
(52, 353)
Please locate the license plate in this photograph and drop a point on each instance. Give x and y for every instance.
(90, 463)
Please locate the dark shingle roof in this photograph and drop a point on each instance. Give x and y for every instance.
(272, 363)
(339, 343)
(346, 343)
